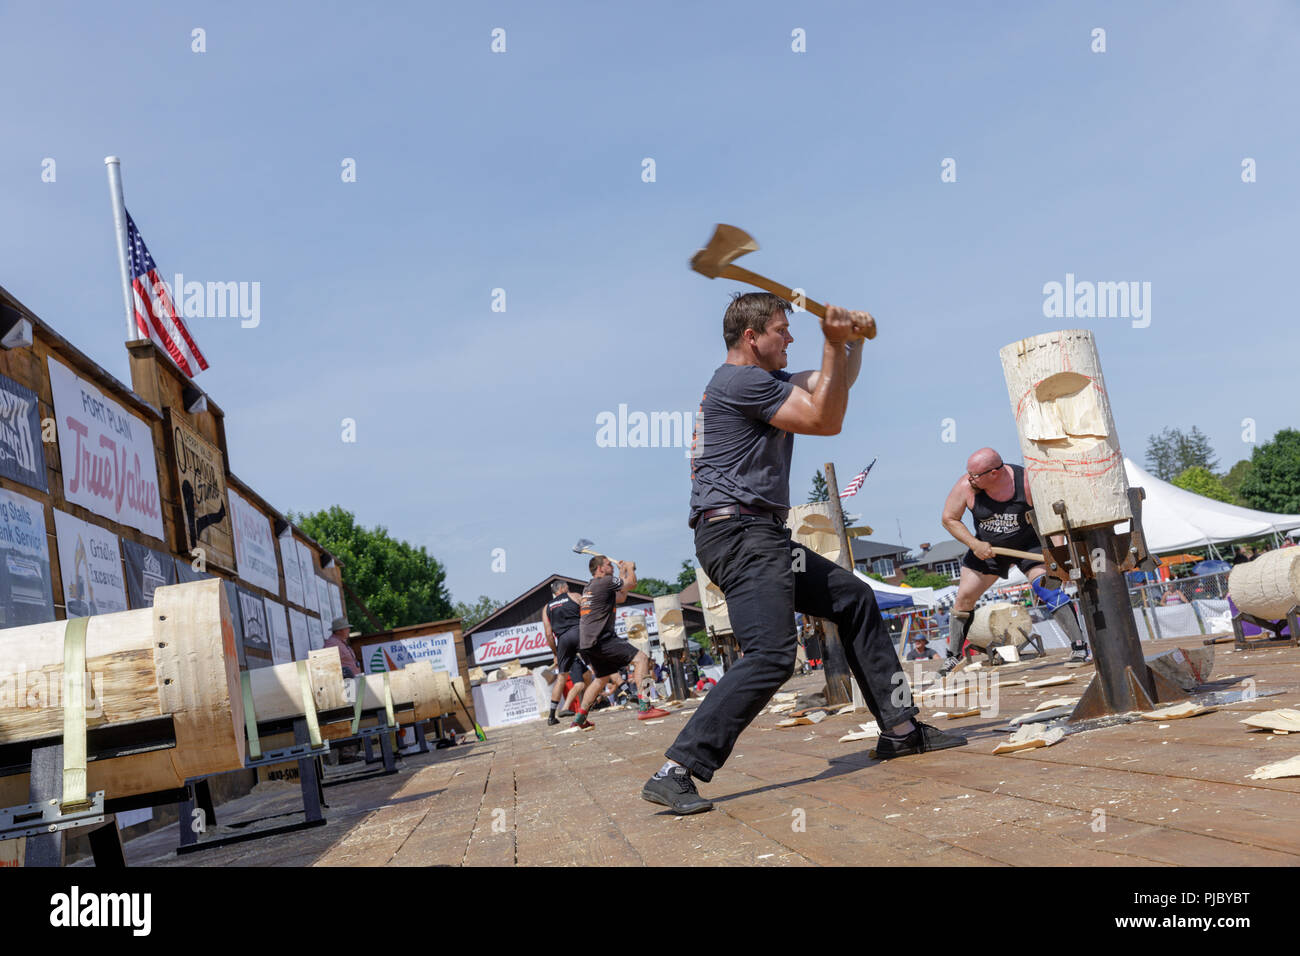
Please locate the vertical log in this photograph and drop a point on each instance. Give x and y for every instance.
(1067, 435)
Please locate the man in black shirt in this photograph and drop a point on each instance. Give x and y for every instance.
(601, 647)
(998, 498)
(560, 622)
(740, 497)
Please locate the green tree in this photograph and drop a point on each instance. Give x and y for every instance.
(819, 490)
(1234, 478)
(399, 583)
(1273, 483)
(654, 587)
(917, 578)
(1200, 481)
(1173, 451)
(686, 576)
(471, 614)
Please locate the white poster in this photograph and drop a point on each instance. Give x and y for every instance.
(292, 576)
(91, 566)
(26, 588)
(323, 601)
(315, 632)
(512, 701)
(281, 651)
(254, 544)
(438, 649)
(524, 641)
(299, 634)
(307, 569)
(336, 601)
(106, 454)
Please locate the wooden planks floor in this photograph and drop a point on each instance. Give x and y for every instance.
(1143, 794)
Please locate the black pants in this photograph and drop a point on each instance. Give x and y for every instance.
(766, 578)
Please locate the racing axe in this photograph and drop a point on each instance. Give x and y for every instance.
(728, 244)
(584, 547)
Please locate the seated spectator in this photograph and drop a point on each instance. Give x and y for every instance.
(921, 651)
(1173, 596)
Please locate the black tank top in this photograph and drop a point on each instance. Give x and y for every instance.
(1003, 522)
(563, 613)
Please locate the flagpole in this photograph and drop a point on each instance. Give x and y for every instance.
(114, 165)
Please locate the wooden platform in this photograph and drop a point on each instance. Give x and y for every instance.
(1171, 795)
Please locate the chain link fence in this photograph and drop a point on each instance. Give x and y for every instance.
(1183, 607)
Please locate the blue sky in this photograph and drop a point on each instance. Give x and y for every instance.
(522, 171)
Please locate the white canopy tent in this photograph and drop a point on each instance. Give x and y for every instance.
(921, 597)
(1174, 519)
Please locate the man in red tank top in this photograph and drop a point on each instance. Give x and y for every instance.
(998, 498)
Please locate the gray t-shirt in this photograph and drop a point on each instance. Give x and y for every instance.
(596, 610)
(738, 457)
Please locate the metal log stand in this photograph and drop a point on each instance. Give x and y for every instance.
(1095, 559)
(1290, 622)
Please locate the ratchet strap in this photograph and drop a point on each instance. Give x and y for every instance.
(250, 718)
(359, 682)
(308, 704)
(74, 714)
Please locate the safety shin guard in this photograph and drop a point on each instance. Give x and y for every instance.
(1064, 616)
(957, 631)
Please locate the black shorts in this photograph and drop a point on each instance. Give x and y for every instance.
(1001, 563)
(608, 654)
(567, 659)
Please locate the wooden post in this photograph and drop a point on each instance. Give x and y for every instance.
(839, 679)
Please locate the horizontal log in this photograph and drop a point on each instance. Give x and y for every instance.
(177, 659)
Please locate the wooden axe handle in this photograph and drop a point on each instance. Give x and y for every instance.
(767, 285)
(1013, 553)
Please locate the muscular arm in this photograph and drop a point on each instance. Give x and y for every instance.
(808, 380)
(546, 626)
(820, 411)
(954, 508)
(628, 571)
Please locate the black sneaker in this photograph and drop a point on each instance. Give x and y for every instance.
(552, 720)
(922, 740)
(950, 664)
(1078, 654)
(565, 713)
(676, 790)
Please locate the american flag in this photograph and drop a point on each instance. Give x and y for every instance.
(155, 315)
(855, 485)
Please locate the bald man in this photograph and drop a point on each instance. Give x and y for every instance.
(998, 498)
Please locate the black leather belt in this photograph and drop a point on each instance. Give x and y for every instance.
(729, 511)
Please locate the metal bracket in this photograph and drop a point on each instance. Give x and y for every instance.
(285, 754)
(33, 819)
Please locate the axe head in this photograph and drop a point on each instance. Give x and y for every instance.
(583, 546)
(726, 246)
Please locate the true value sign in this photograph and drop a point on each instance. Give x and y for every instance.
(524, 641)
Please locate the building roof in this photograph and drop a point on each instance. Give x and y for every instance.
(950, 550)
(864, 549)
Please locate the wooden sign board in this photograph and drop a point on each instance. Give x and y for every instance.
(201, 511)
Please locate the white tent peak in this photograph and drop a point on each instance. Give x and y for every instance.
(1173, 518)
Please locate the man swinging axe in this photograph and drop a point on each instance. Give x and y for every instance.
(740, 498)
(998, 498)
